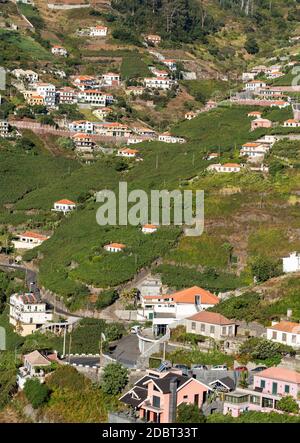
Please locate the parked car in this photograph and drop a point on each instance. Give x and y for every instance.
(185, 369)
(199, 367)
(135, 329)
(259, 369)
(219, 368)
(241, 368)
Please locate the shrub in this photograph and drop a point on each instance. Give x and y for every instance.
(36, 392)
(114, 379)
(288, 404)
(189, 413)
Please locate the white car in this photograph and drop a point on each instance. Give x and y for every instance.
(135, 329)
(219, 368)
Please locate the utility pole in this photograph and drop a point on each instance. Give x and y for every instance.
(70, 342)
(64, 345)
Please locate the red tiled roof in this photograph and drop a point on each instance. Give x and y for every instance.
(211, 317)
(283, 374)
(32, 234)
(65, 202)
(188, 296)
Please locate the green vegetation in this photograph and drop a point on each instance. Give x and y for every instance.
(114, 378)
(194, 356)
(254, 417)
(288, 404)
(15, 47)
(203, 90)
(133, 66)
(189, 413)
(263, 351)
(75, 399)
(8, 372)
(36, 393)
(271, 305)
(178, 334)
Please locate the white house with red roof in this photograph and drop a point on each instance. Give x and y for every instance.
(114, 247)
(153, 38)
(59, 50)
(158, 82)
(102, 113)
(98, 31)
(254, 149)
(64, 206)
(211, 324)
(83, 82)
(82, 126)
(29, 240)
(166, 137)
(227, 167)
(173, 308)
(128, 152)
(111, 79)
(170, 63)
(149, 228)
(66, 96)
(291, 123)
(83, 142)
(255, 114)
(253, 85)
(27, 312)
(285, 332)
(93, 97)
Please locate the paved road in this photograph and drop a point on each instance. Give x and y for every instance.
(126, 350)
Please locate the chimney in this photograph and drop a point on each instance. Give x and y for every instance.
(173, 400)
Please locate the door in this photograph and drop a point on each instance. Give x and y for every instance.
(196, 399)
(274, 388)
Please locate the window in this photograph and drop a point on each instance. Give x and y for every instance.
(274, 335)
(274, 388)
(224, 330)
(193, 326)
(156, 401)
(262, 384)
(185, 397)
(267, 402)
(287, 389)
(212, 329)
(255, 399)
(283, 336)
(202, 327)
(294, 338)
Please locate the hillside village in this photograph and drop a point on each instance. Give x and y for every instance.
(135, 324)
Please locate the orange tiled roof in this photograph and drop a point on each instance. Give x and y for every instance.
(188, 296)
(65, 202)
(116, 245)
(280, 374)
(211, 317)
(286, 326)
(32, 234)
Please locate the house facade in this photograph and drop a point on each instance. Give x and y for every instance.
(286, 333)
(166, 137)
(156, 396)
(64, 206)
(211, 324)
(227, 167)
(269, 386)
(115, 247)
(174, 308)
(33, 367)
(158, 83)
(27, 312)
(291, 263)
(29, 240)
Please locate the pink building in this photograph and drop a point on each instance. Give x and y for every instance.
(261, 123)
(269, 386)
(156, 396)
